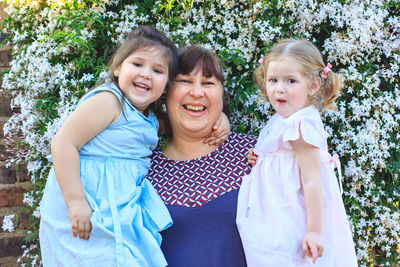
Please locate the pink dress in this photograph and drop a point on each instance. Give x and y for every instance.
(271, 215)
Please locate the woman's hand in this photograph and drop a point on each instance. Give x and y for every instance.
(252, 157)
(220, 131)
(313, 245)
(79, 213)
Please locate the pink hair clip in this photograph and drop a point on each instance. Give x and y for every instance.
(261, 60)
(327, 69)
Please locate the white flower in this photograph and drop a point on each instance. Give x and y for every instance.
(29, 199)
(8, 224)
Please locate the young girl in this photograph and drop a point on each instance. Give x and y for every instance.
(290, 210)
(101, 156)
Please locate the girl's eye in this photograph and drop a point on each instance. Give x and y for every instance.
(158, 71)
(291, 81)
(183, 81)
(137, 64)
(272, 80)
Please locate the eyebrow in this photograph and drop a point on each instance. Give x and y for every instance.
(157, 64)
(285, 76)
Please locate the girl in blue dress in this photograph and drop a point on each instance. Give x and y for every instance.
(101, 155)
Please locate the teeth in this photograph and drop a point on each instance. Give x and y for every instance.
(195, 108)
(142, 86)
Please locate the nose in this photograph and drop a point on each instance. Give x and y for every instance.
(145, 74)
(197, 90)
(280, 87)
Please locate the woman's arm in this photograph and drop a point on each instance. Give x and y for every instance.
(89, 119)
(309, 161)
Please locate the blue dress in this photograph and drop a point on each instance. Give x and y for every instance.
(127, 211)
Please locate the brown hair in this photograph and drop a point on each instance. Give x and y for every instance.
(310, 58)
(143, 38)
(191, 58)
(195, 56)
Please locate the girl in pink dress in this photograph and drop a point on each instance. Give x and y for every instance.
(290, 210)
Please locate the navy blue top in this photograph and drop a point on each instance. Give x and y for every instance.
(201, 195)
(204, 236)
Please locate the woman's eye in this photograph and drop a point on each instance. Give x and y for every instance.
(209, 83)
(183, 81)
(291, 81)
(137, 64)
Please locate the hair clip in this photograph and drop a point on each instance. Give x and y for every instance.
(261, 60)
(327, 69)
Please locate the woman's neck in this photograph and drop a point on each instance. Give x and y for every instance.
(186, 148)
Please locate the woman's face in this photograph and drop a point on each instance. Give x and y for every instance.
(194, 103)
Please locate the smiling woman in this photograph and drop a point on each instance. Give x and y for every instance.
(195, 102)
(199, 183)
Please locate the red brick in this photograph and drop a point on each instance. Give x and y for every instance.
(7, 175)
(22, 175)
(5, 101)
(11, 246)
(21, 219)
(11, 197)
(1, 129)
(5, 56)
(9, 262)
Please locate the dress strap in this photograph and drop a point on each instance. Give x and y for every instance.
(119, 249)
(335, 160)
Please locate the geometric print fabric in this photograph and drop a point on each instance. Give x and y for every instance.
(192, 183)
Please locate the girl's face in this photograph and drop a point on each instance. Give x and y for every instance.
(288, 89)
(194, 103)
(142, 77)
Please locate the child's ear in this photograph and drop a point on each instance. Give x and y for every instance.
(116, 71)
(315, 86)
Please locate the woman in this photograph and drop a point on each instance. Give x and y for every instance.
(199, 183)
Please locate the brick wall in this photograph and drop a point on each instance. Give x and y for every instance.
(14, 182)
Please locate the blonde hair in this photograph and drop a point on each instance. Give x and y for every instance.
(310, 58)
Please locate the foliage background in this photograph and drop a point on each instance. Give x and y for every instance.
(61, 47)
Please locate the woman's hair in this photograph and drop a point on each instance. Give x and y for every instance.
(194, 56)
(145, 37)
(310, 58)
(197, 57)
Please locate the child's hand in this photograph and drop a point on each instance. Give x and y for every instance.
(79, 213)
(252, 157)
(220, 131)
(313, 245)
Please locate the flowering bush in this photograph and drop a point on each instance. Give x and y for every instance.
(60, 49)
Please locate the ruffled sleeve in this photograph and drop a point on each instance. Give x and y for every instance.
(310, 126)
(279, 131)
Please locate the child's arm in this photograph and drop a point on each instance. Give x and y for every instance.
(220, 131)
(252, 157)
(89, 119)
(309, 161)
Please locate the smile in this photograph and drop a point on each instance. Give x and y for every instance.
(194, 108)
(141, 86)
